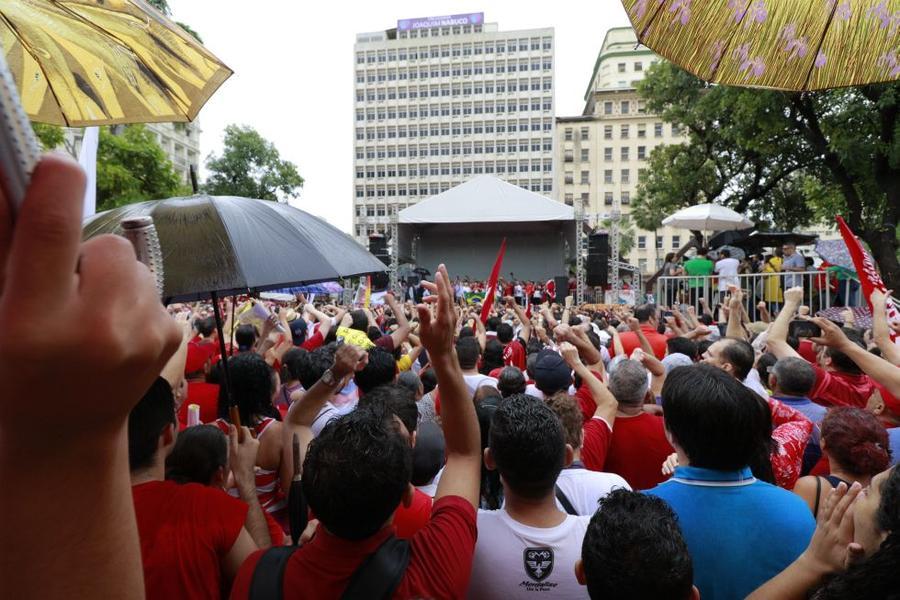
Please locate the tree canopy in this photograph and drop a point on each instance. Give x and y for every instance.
(786, 160)
(131, 167)
(251, 166)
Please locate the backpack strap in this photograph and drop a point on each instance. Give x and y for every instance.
(380, 573)
(818, 493)
(567, 506)
(268, 576)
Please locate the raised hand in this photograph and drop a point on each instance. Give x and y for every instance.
(570, 354)
(794, 294)
(348, 359)
(437, 331)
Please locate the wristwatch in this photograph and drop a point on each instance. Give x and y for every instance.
(328, 378)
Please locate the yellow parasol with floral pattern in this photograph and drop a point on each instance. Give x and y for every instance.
(794, 45)
(102, 62)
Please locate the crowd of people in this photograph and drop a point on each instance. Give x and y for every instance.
(551, 450)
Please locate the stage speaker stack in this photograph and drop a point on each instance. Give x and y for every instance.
(597, 263)
(378, 246)
(562, 289)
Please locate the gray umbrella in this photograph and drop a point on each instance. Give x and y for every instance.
(233, 245)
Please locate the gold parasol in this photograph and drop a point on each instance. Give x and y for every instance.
(794, 45)
(102, 62)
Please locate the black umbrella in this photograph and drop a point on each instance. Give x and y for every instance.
(767, 239)
(234, 245)
(223, 245)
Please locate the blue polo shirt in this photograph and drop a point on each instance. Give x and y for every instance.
(741, 532)
(894, 439)
(815, 413)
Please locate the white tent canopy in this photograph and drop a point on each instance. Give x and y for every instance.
(486, 199)
(708, 217)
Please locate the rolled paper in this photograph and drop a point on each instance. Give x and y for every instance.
(193, 415)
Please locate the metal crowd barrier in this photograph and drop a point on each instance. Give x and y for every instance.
(759, 287)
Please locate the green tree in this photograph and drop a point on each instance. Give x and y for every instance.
(786, 160)
(131, 167)
(50, 136)
(250, 166)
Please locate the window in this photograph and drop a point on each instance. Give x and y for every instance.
(638, 66)
(570, 177)
(568, 156)
(626, 107)
(625, 176)
(585, 155)
(585, 177)
(642, 265)
(607, 176)
(642, 152)
(585, 197)
(607, 154)
(568, 134)
(622, 67)
(642, 242)
(607, 108)
(676, 129)
(676, 242)
(642, 130)
(626, 197)
(584, 133)
(659, 242)
(607, 198)
(569, 199)
(624, 132)
(657, 130)
(607, 132)
(625, 153)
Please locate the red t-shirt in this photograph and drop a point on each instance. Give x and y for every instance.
(312, 342)
(657, 341)
(586, 399)
(440, 561)
(409, 520)
(185, 532)
(514, 354)
(840, 389)
(206, 395)
(638, 449)
(595, 445)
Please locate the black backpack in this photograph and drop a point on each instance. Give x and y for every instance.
(376, 578)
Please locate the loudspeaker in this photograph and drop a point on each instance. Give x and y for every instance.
(378, 247)
(597, 263)
(380, 281)
(562, 289)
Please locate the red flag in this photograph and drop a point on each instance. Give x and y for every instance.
(865, 269)
(491, 290)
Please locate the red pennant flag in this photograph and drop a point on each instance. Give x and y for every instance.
(491, 290)
(865, 269)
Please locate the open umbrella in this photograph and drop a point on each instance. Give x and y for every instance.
(835, 252)
(234, 245)
(793, 45)
(735, 252)
(101, 62)
(766, 239)
(707, 217)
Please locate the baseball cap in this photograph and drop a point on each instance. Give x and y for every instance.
(551, 373)
(298, 331)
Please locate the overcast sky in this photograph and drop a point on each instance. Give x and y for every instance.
(294, 71)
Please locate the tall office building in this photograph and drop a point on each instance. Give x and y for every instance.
(442, 99)
(602, 153)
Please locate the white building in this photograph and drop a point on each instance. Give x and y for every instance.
(602, 153)
(439, 100)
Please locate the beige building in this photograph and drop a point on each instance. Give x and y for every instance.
(440, 100)
(179, 141)
(602, 153)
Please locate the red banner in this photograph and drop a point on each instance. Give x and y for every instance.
(869, 278)
(491, 290)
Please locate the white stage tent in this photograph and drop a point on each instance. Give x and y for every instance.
(463, 228)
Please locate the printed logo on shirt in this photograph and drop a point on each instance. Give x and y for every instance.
(538, 563)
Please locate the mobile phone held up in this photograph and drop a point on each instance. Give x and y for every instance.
(804, 329)
(19, 149)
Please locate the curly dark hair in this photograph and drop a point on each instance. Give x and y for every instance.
(252, 384)
(356, 471)
(633, 548)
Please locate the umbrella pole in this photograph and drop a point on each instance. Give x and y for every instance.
(233, 412)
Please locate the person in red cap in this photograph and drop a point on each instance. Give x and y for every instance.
(205, 395)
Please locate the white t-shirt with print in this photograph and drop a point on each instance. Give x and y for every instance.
(517, 561)
(585, 488)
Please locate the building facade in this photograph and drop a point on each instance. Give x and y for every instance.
(440, 100)
(602, 154)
